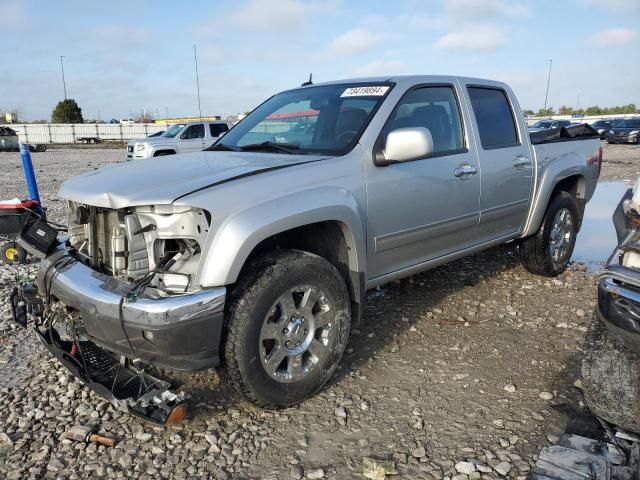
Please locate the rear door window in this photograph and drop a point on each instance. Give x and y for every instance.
(217, 128)
(496, 124)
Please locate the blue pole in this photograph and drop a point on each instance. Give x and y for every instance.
(29, 174)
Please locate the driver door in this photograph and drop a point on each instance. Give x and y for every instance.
(427, 208)
(191, 140)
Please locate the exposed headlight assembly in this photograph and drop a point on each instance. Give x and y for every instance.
(140, 147)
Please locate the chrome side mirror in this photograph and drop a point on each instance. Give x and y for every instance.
(404, 144)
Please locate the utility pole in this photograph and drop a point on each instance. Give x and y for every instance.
(578, 107)
(64, 84)
(195, 59)
(546, 96)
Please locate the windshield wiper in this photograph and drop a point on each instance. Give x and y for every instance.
(282, 147)
(221, 147)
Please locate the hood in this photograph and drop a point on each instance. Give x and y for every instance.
(162, 180)
(151, 140)
(624, 129)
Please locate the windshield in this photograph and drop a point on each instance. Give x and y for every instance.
(173, 130)
(629, 123)
(326, 119)
(542, 124)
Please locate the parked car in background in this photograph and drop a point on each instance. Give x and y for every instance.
(548, 125)
(258, 255)
(127, 121)
(625, 131)
(179, 138)
(602, 127)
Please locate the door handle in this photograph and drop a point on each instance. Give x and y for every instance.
(521, 161)
(465, 171)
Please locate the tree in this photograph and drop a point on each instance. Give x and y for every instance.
(564, 110)
(529, 113)
(67, 111)
(545, 112)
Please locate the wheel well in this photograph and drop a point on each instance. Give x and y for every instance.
(576, 187)
(160, 153)
(328, 240)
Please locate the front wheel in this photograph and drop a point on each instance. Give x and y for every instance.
(548, 252)
(287, 327)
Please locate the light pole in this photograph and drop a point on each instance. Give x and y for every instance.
(578, 107)
(64, 84)
(546, 96)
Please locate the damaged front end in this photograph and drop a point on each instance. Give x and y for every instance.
(122, 293)
(126, 386)
(619, 282)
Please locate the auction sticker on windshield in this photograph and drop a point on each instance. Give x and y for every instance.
(368, 91)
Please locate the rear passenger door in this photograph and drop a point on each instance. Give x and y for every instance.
(191, 140)
(505, 162)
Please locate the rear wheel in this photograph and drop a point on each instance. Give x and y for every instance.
(287, 327)
(611, 378)
(12, 254)
(548, 251)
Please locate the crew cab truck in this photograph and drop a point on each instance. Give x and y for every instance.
(179, 138)
(255, 255)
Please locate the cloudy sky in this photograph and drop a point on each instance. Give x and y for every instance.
(123, 56)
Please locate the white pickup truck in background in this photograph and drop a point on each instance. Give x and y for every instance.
(179, 138)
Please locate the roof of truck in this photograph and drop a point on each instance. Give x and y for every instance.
(411, 79)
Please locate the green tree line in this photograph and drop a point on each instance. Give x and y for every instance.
(589, 111)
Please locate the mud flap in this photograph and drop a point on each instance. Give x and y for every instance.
(132, 391)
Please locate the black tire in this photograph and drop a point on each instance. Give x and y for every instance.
(12, 254)
(611, 378)
(41, 148)
(535, 251)
(255, 297)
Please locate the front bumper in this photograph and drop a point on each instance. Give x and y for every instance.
(178, 332)
(623, 138)
(619, 304)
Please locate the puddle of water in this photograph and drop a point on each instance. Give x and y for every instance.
(597, 237)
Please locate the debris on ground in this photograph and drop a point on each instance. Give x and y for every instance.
(378, 469)
(84, 434)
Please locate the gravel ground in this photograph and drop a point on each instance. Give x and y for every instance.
(465, 371)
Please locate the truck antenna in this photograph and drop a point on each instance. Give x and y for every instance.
(308, 82)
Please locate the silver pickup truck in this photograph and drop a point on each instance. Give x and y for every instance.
(179, 138)
(255, 255)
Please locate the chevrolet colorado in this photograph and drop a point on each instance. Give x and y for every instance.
(255, 255)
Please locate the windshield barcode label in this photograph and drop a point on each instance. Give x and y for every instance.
(369, 91)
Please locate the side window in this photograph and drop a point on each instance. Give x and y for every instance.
(217, 128)
(434, 108)
(494, 117)
(194, 131)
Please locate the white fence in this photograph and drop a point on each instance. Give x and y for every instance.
(69, 133)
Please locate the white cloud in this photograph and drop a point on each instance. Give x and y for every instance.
(614, 37)
(383, 66)
(358, 40)
(627, 7)
(473, 39)
(485, 9)
(267, 16)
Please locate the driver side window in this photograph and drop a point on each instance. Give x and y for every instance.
(194, 131)
(434, 108)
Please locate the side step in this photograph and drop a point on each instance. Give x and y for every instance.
(127, 389)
